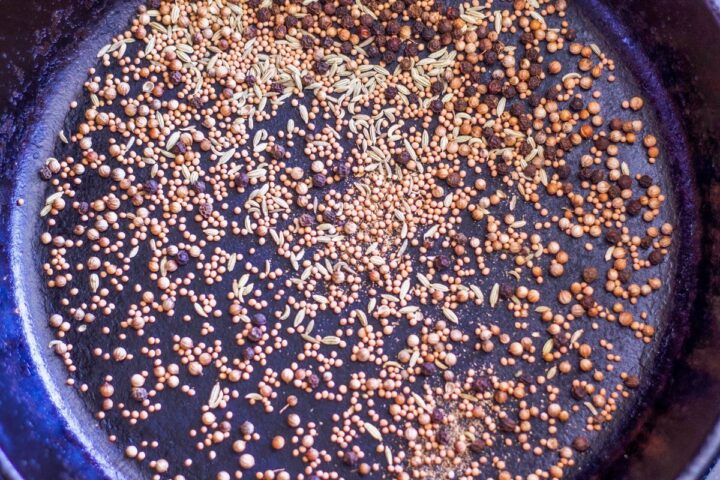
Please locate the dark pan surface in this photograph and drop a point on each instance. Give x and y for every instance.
(656, 360)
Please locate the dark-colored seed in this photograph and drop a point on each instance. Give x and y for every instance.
(139, 394)
(247, 428)
(242, 180)
(613, 236)
(151, 187)
(576, 104)
(255, 334)
(330, 216)
(454, 179)
(45, 173)
(624, 182)
(259, 319)
(477, 446)
(590, 274)
(482, 384)
(633, 207)
(563, 172)
(306, 41)
(525, 378)
(632, 381)
(342, 170)
(578, 392)
(490, 58)
(206, 210)
(279, 32)
(264, 15)
(506, 291)
(182, 258)
(602, 143)
(645, 181)
(199, 186)
(196, 102)
(321, 67)
(437, 87)
(277, 152)
(248, 353)
(434, 45)
(403, 158)
(319, 180)
(581, 443)
(306, 220)
(428, 369)
(507, 425)
(624, 275)
(350, 458)
(441, 262)
(656, 257)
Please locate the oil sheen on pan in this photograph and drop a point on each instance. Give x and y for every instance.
(324, 240)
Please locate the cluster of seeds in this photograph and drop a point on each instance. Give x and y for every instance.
(402, 238)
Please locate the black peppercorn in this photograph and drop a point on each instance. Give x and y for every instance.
(242, 180)
(624, 182)
(151, 187)
(342, 170)
(255, 334)
(199, 186)
(306, 220)
(182, 258)
(656, 257)
(506, 291)
(428, 369)
(259, 320)
(507, 425)
(319, 180)
(139, 394)
(633, 207)
(205, 210)
(482, 384)
(645, 181)
(350, 458)
(581, 443)
(441, 262)
(248, 353)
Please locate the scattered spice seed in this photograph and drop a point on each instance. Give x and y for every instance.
(425, 154)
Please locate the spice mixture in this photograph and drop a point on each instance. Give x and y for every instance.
(347, 238)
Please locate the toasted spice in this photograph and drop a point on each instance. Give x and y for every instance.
(314, 198)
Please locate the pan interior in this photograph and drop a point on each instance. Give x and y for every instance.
(180, 412)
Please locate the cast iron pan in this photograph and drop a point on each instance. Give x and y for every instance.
(671, 49)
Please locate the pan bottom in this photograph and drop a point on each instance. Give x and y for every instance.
(170, 432)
